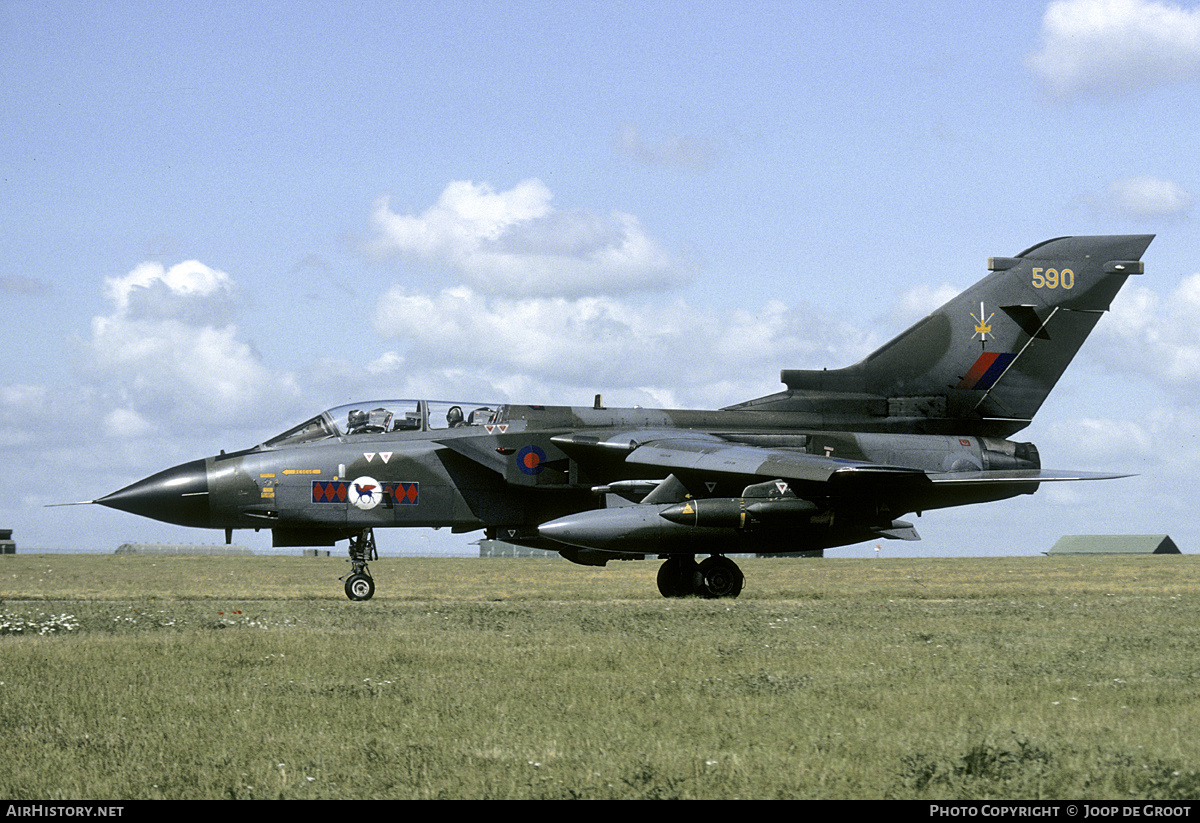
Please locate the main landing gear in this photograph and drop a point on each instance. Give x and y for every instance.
(716, 576)
(359, 583)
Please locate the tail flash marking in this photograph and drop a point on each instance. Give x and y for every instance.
(983, 326)
(986, 371)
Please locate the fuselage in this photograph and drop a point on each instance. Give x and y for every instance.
(505, 468)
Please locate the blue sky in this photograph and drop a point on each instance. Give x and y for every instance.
(221, 218)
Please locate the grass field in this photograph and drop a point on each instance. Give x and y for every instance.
(126, 677)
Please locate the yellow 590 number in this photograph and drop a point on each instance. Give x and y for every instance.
(1053, 279)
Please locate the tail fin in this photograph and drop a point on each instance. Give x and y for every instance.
(986, 360)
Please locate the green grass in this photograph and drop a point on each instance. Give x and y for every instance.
(125, 677)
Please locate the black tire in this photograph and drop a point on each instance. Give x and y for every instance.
(676, 577)
(360, 587)
(720, 577)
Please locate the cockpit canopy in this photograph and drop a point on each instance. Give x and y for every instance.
(384, 416)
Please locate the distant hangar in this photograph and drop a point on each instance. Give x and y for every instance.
(1114, 544)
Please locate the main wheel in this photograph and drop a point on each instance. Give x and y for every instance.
(720, 577)
(677, 577)
(360, 587)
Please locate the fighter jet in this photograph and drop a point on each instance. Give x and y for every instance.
(835, 458)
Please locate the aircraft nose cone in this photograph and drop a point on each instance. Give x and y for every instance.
(178, 495)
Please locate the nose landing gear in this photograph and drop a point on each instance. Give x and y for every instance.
(359, 583)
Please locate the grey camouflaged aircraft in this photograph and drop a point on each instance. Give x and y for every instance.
(832, 460)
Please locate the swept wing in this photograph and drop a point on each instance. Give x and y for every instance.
(708, 465)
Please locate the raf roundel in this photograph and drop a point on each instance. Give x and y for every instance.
(530, 459)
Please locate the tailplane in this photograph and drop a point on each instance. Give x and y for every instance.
(986, 360)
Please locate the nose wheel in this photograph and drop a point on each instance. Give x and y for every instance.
(359, 583)
(360, 587)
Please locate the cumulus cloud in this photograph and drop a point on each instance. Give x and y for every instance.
(573, 339)
(665, 349)
(1112, 47)
(188, 291)
(1148, 197)
(514, 243)
(167, 351)
(1151, 336)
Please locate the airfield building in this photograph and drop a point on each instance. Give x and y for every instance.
(499, 548)
(1114, 544)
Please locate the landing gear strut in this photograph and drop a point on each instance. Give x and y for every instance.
(716, 576)
(359, 583)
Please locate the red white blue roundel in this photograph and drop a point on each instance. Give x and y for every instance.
(365, 492)
(530, 460)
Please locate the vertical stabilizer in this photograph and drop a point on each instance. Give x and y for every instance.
(988, 358)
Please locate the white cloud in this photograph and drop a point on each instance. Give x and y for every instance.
(919, 301)
(126, 424)
(514, 243)
(151, 290)
(386, 363)
(1148, 197)
(1115, 46)
(572, 338)
(1154, 337)
(167, 352)
(658, 348)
